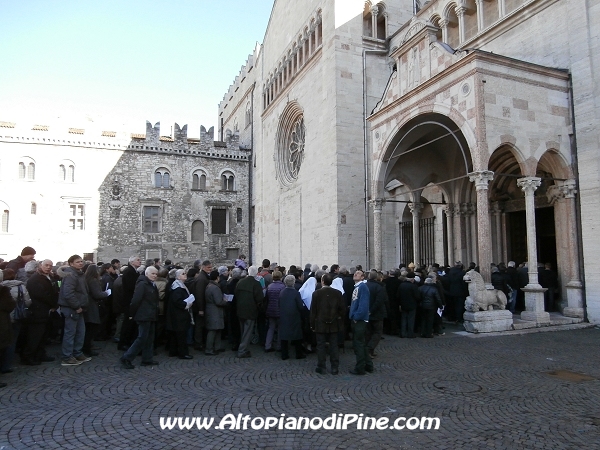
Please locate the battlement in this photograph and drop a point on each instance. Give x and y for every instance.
(151, 141)
(239, 79)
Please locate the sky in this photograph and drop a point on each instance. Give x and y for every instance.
(122, 62)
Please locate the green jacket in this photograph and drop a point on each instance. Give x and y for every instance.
(248, 297)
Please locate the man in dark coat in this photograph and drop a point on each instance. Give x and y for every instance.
(377, 312)
(248, 297)
(73, 298)
(410, 297)
(144, 310)
(392, 283)
(27, 254)
(197, 286)
(43, 291)
(458, 291)
(327, 310)
(129, 279)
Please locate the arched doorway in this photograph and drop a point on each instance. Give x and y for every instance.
(424, 180)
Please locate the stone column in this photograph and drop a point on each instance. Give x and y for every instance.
(480, 14)
(464, 211)
(415, 209)
(460, 13)
(574, 286)
(497, 212)
(458, 236)
(534, 293)
(474, 241)
(484, 237)
(501, 9)
(449, 209)
(377, 206)
(444, 26)
(374, 12)
(310, 49)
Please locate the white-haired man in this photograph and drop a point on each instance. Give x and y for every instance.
(144, 307)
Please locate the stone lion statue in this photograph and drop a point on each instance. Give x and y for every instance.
(480, 298)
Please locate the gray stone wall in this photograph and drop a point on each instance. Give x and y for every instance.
(130, 187)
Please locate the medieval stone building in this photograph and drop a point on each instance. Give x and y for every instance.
(430, 132)
(107, 194)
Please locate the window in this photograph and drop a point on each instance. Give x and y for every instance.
(232, 253)
(26, 168)
(199, 180)
(197, 231)
(5, 221)
(240, 215)
(76, 216)
(33, 208)
(227, 180)
(66, 172)
(31, 171)
(151, 219)
(162, 178)
(22, 171)
(219, 221)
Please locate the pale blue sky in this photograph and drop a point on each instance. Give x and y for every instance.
(124, 61)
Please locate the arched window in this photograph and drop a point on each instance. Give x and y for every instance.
(5, 214)
(227, 181)
(31, 171)
(33, 208)
(197, 231)
(22, 171)
(71, 174)
(162, 178)
(199, 180)
(66, 171)
(62, 172)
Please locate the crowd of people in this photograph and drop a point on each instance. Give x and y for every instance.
(143, 307)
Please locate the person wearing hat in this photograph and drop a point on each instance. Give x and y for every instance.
(27, 254)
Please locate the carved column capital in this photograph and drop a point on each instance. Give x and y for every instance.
(374, 10)
(497, 208)
(415, 208)
(377, 204)
(529, 184)
(448, 209)
(481, 179)
(460, 10)
(567, 188)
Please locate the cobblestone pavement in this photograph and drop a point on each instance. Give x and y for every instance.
(491, 392)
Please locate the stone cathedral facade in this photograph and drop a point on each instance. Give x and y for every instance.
(438, 131)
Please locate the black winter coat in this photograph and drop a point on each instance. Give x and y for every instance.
(431, 296)
(144, 304)
(409, 295)
(291, 309)
(7, 304)
(179, 317)
(457, 286)
(377, 309)
(95, 295)
(44, 297)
